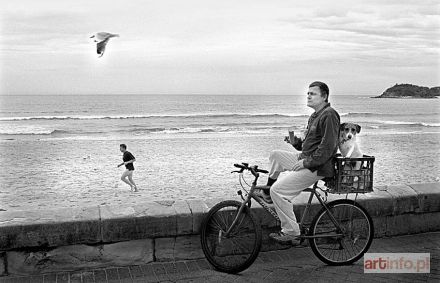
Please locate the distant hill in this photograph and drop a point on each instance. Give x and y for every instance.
(410, 91)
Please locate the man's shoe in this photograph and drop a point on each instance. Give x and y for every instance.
(266, 198)
(286, 239)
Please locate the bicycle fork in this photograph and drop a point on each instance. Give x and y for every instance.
(240, 211)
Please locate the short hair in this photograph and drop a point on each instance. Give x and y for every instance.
(124, 146)
(323, 87)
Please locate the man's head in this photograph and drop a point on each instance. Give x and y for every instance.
(317, 95)
(122, 147)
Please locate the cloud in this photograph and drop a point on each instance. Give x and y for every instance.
(43, 32)
(415, 26)
(256, 41)
(396, 31)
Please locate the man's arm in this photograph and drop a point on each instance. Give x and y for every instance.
(297, 143)
(328, 143)
(127, 162)
(130, 161)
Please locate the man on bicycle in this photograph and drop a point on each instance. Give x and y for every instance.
(304, 167)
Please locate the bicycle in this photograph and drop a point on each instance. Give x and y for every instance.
(339, 234)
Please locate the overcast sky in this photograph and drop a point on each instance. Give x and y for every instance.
(218, 47)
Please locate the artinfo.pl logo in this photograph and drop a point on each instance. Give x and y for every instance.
(397, 263)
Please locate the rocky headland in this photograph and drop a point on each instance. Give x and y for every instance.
(410, 91)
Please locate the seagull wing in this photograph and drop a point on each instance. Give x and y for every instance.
(102, 39)
(100, 36)
(100, 47)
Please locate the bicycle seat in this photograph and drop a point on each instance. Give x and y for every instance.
(326, 180)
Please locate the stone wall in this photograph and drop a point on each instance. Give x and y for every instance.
(33, 242)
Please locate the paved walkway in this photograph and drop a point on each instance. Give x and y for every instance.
(292, 265)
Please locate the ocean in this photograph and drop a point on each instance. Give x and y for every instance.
(136, 116)
(62, 151)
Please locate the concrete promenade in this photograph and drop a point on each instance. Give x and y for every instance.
(291, 265)
(67, 240)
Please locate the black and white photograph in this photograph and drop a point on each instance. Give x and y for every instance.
(220, 141)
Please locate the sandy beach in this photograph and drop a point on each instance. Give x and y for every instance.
(62, 173)
(194, 87)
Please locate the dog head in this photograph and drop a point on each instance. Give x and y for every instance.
(348, 131)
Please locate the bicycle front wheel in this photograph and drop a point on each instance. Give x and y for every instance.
(238, 250)
(345, 246)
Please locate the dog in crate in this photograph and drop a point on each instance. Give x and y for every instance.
(349, 148)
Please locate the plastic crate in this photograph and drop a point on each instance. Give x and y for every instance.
(349, 179)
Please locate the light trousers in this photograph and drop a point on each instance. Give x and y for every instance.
(288, 186)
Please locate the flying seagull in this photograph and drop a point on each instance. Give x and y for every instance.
(102, 38)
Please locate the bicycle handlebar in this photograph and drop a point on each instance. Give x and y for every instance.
(253, 169)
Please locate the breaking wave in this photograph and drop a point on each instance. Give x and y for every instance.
(183, 116)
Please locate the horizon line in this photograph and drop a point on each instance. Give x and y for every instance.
(170, 94)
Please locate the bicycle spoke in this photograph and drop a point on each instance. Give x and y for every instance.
(222, 219)
(239, 244)
(235, 251)
(344, 247)
(218, 224)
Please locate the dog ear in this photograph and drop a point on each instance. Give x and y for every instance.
(358, 128)
(342, 126)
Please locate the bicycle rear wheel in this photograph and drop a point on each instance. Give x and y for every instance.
(240, 248)
(344, 247)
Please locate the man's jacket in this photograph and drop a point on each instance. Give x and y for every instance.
(321, 141)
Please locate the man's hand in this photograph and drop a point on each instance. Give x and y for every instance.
(296, 143)
(299, 165)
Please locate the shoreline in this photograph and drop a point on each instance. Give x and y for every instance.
(373, 130)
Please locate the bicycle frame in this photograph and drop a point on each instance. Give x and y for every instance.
(339, 233)
(312, 191)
